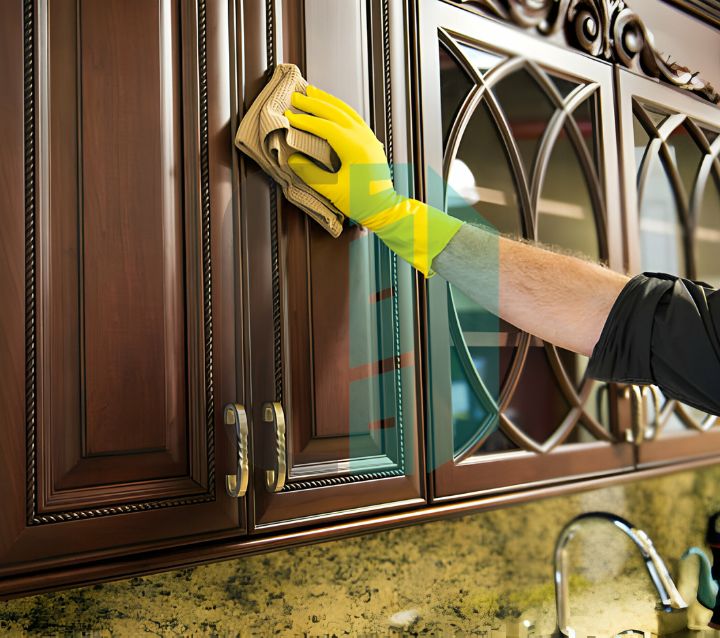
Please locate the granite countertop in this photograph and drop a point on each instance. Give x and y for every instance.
(485, 574)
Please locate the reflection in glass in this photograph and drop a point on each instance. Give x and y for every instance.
(528, 111)
(455, 84)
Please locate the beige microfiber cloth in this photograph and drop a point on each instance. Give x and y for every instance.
(265, 135)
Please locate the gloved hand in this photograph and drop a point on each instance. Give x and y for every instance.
(362, 188)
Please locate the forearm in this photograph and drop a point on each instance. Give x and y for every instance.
(561, 299)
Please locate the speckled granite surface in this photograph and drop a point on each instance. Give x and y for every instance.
(486, 574)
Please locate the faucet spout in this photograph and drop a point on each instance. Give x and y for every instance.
(668, 594)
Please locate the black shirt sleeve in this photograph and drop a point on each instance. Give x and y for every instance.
(664, 330)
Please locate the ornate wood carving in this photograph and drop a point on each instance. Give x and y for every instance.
(607, 29)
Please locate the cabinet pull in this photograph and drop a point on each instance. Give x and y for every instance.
(273, 414)
(236, 484)
(636, 433)
(652, 428)
(642, 429)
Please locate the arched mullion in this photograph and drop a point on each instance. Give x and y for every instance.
(562, 119)
(512, 154)
(571, 394)
(681, 201)
(466, 111)
(708, 163)
(477, 385)
(704, 171)
(451, 44)
(598, 204)
(565, 121)
(588, 166)
(658, 148)
(687, 211)
(522, 440)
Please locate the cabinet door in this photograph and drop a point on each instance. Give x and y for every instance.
(335, 348)
(672, 180)
(123, 285)
(519, 135)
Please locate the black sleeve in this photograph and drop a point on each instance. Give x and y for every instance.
(664, 330)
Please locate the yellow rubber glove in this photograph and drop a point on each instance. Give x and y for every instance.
(362, 188)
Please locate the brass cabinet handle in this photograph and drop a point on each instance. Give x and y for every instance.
(236, 484)
(652, 428)
(642, 430)
(275, 479)
(636, 433)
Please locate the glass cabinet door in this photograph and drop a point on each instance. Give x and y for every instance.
(512, 128)
(672, 177)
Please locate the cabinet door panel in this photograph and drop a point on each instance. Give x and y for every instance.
(127, 352)
(338, 351)
(512, 140)
(672, 181)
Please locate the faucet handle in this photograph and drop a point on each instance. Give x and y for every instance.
(672, 598)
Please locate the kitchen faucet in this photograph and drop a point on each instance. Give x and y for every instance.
(670, 598)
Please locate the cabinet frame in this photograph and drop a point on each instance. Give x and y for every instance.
(676, 447)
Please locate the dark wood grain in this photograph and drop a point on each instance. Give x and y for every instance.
(135, 282)
(315, 335)
(12, 275)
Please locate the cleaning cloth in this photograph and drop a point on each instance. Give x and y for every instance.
(265, 135)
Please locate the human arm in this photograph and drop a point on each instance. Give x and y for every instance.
(561, 299)
(648, 329)
(652, 329)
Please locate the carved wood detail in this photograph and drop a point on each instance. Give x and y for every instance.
(607, 29)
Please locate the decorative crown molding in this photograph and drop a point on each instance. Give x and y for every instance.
(606, 29)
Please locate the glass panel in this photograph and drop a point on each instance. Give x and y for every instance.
(641, 141)
(482, 60)
(584, 116)
(482, 178)
(673, 423)
(565, 87)
(480, 189)
(707, 235)
(497, 442)
(469, 412)
(657, 118)
(565, 211)
(661, 235)
(528, 111)
(538, 406)
(710, 135)
(455, 84)
(696, 415)
(687, 156)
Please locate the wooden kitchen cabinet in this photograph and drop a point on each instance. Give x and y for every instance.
(518, 134)
(337, 348)
(670, 146)
(118, 284)
(152, 275)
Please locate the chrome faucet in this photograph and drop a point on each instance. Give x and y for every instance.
(670, 598)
